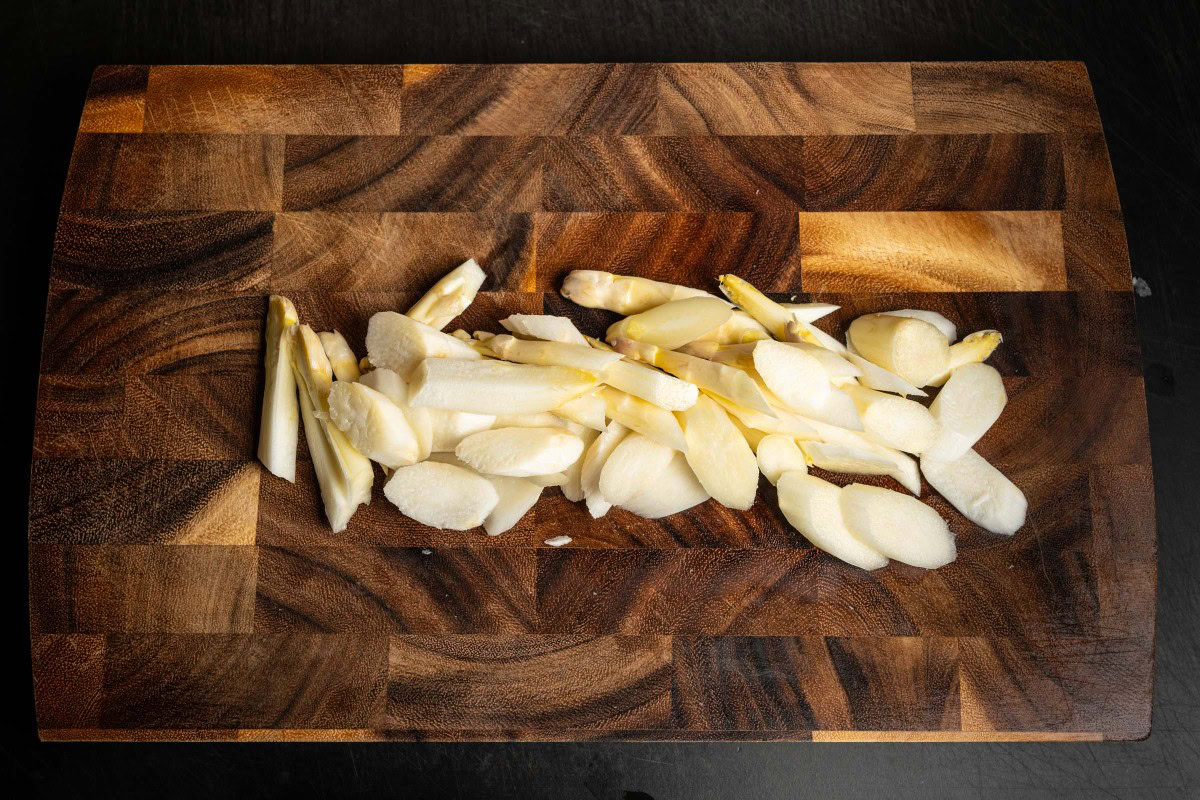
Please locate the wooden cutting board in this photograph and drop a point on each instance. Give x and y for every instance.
(180, 592)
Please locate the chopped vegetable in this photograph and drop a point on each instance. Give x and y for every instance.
(341, 357)
(673, 324)
(624, 294)
(280, 428)
(450, 296)
(495, 387)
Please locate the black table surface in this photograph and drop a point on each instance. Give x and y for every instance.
(1143, 62)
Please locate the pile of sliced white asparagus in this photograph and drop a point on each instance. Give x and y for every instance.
(690, 399)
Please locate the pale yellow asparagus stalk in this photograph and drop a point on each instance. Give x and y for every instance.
(495, 387)
(739, 356)
(314, 373)
(740, 328)
(673, 324)
(543, 326)
(586, 410)
(710, 376)
(341, 357)
(645, 418)
(659, 388)
(971, 350)
(624, 294)
(783, 422)
(279, 431)
(770, 315)
(450, 296)
(800, 331)
(551, 354)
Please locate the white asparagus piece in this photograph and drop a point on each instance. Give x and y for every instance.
(544, 326)
(344, 478)
(812, 506)
(753, 437)
(904, 470)
(450, 296)
(624, 294)
(898, 526)
(312, 369)
(520, 452)
(586, 410)
(783, 422)
(645, 418)
(778, 454)
(549, 479)
(847, 458)
(400, 343)
(836, 364)
(543, 419)
(800, 331)
(552, 354)
(279, 432)
(972, 349)
(673, 490)
(740, 328)
(876, 377)
(969, 403)
(932, 317)
(490, 387)
(448, 428)
(894, 421)
(838, 409)
(912, 348)
(515, 496)
(341, 357)
(633, 465)
(593, 465)
(729, 382)
(419, 419)
(767, 312)
(980, 491)
(375, 425)
(442, 495)
(639, 380)
(810, 312)
(572, 488)
(797, 378)
(673, 324)
(719, 455)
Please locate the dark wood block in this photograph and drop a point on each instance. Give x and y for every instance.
(412, 173)
(168, 251)
(672, 174)
(529, 682)
(1095, 251)
(397, 252)
(1003, 97)
(529, 99)
(1089, 175)
(1011, 684)
(784, 98)
(292, 680)
(871, 683)
(155, 416)
(935, 251)
(977, 172)
(393, 590)
(147, 332)
(68, 679)
(130, 501)
(116, 100)
(175, 172)
(142, 589)
(336, 99)
(697, 591)
(688, 248)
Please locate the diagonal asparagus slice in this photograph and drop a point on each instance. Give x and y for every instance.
(633, 465)
(341, 357)
(738, 329)
(493, 387)
(586, 410)
(719, 455)
(673, 490)
(935, 319)
(904, 468)
(673, 324)
(280, 431)
(624, 294)
(770, 315)
(971, 350)
(450, 296)
(420, 420)
(593, 464)
(647, 383)
(778, 454)
(912, 348)
(551, 354)
(375, 425)
(400, 343)
(710, 376)
(646, 418)
(784, 422)
(544, 326)
(876, 377)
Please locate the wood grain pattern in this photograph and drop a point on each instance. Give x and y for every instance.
(757, 98)
(338, 99)
(178, 592)
(964, 251)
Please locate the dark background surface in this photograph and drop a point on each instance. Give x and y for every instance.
(1143, 64)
